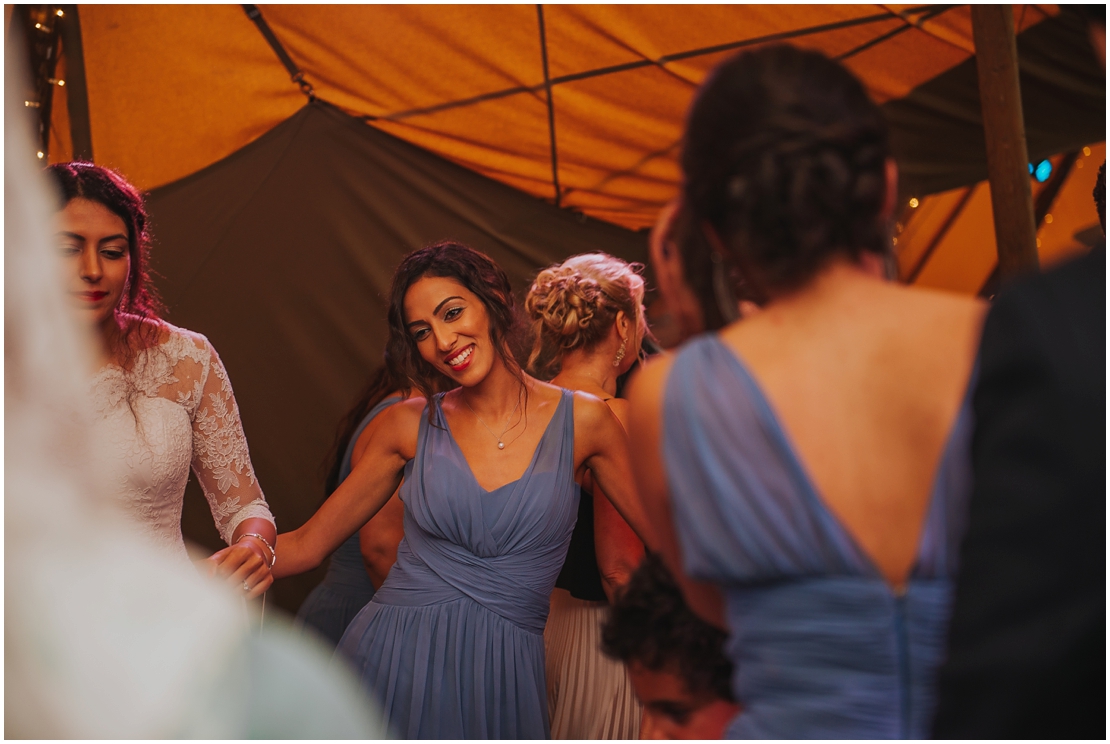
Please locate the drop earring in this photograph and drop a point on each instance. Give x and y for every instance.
(620, 354)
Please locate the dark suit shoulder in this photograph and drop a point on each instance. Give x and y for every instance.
(1026, 653)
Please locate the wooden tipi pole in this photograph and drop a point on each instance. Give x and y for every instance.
(1007, 158)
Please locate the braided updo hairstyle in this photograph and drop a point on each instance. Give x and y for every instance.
(573, 305)
(785, 157)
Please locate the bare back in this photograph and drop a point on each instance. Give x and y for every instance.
(866, 378)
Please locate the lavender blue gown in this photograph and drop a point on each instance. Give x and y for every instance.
(821, 645)
(452, 643)
(346, 587)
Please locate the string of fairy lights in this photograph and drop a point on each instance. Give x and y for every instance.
(42, 25)
(1040, 171)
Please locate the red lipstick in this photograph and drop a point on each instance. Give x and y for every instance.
(469, 355)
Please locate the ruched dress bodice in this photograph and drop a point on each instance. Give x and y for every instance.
(452, 642)
(346, 587)
(822, 646)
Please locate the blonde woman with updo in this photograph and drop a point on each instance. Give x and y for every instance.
(587, 324)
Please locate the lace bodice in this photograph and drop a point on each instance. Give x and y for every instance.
(173, 409)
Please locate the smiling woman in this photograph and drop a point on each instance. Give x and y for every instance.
(452, 643)
(162, 396)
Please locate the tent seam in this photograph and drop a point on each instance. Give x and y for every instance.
(659, 62)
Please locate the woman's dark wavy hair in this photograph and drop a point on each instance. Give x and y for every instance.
(478, 273)
(649, 623)
(80, 180)
(785, 157)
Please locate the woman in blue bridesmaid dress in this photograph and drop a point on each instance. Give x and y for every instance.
(360, 564)
(806, 469)
(452, 643)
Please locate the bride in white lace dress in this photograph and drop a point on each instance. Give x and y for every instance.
(162, 397)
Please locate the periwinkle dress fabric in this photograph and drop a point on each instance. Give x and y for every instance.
(822, 646)
(346, 588)
(452, 643)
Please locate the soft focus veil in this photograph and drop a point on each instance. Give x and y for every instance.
(105, 637)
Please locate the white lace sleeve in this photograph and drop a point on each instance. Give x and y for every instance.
(221, 460)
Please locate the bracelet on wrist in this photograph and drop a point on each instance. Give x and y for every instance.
(273, 553)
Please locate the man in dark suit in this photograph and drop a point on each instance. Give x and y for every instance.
(1027, 644)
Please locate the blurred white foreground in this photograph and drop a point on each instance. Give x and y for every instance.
(104, 636)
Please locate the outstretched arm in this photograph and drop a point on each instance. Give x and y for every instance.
(369, 486)
(645, 424)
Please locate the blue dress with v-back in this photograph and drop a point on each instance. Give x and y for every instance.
(452, 643)
(822, 647)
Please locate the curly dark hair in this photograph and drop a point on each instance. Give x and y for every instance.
(649, 623)
(784, 157)
(80, 180)
(478, 273)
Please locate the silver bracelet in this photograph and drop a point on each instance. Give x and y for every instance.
(273, 553)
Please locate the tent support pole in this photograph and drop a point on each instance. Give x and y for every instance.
(1004, 127)
(77, 92)
(1041, 205)
(550, 111)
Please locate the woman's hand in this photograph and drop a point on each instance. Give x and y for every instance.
(247, 563)
(244, 565)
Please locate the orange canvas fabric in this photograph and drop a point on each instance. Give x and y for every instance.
(173, 89)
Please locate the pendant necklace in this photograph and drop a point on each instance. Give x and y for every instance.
(500, 443)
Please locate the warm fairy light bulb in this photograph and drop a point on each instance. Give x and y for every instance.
(896, 241)
(1038, 242)
(59, 13)
(914, 202)
(1087, 151)
(62, 82)
(1048, 218)
(38, 25)
(40, 154)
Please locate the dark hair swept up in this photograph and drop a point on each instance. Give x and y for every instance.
(80, 180)
(784, 155)
(479, 274)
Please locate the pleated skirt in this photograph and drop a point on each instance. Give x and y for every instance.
(450, 670)
(589, 695)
